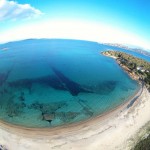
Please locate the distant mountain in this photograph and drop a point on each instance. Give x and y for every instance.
(131, 48)
(139, 50)
(142, 51)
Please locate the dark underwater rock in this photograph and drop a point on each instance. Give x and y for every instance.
(36, 106)
(48, 117)
(4, 77)
(85, 108)
(14, 109)
(87, 111)
(21, 98)
(22, 83)
(46, 80)
(59, 82)
(105, 87)
(47, 107)
(4, 91)
(73, 87)
(66, 116)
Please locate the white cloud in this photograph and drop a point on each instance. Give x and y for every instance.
(12, 10)
(73, 30)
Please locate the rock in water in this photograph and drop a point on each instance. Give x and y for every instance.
(48, 117)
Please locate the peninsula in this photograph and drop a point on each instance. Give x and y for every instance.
(138, 69)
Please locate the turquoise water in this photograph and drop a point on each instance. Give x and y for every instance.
(47, 83)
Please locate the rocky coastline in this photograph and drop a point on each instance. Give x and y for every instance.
(125, 68)
(129, 72)
(142, 138)
(138, 69)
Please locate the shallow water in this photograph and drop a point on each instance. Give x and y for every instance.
(47, 83)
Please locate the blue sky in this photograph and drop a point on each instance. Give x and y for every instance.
(114, 21)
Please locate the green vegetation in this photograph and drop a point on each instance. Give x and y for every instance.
(143, 144)
(139, 67)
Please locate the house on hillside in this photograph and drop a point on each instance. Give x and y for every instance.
(140, 68)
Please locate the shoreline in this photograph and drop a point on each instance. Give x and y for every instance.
(97, 130)
(102, 116)
(127, 70)
(113, 130)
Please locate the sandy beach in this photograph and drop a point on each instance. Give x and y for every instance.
(112, 131)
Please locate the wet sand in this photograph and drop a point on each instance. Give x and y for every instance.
(111, 131)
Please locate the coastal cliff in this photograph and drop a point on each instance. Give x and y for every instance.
(138, 69)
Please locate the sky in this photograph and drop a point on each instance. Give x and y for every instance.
(105, 21)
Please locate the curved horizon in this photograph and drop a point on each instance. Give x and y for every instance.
(99, 21)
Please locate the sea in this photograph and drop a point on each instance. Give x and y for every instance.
(45, 83)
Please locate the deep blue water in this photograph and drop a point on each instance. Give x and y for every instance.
(46, 83)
